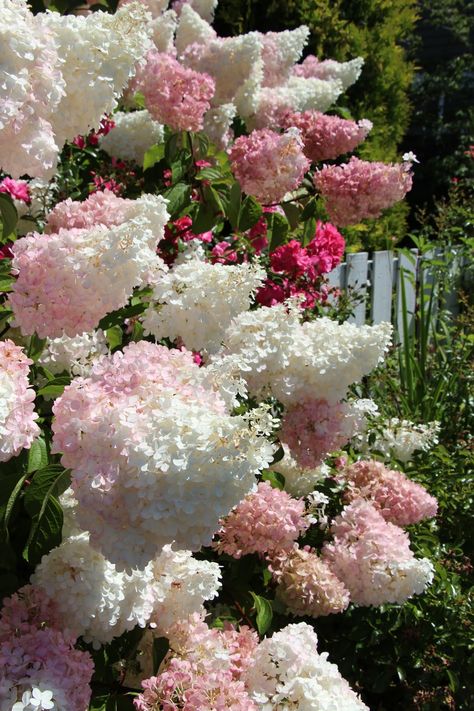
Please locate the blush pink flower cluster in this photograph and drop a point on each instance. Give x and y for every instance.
(307, 585)
(314, 428)
(18, 428)
(174, 95)
(359, 189)
(268, 164)
(399, 500)
(324, 136)
(373, 558)
(100, 208)
(35, 652)
(266, 522)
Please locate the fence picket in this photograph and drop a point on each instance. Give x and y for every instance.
(356, 278)
(407, 269)
(382, 280)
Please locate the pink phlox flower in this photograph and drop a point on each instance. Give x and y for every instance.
(326, 249)
(17, 189)
(266, 521)
(222, 253)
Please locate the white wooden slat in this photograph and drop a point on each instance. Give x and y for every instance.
(429, 281)
(356, 280)
(451, 298)
(407, 267)
(337, 279)
(382, 286)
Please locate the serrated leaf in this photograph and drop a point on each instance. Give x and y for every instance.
(11, 503)
(45, 483)
(46, 531)
(37, 455)
(277, 230)
(6, 283)
(250, 213)
(293, 214)
(309, 230)
(201, 142)
(213, 199)
(204, 220)
(171, 147)
(55, 387)
(310, 209)
(264, 610)
(153, 155)
(8, 215)
(160, 650)
(178, 198)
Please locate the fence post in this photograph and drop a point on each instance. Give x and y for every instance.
(407, 270)
(383, 269)
(357, 265)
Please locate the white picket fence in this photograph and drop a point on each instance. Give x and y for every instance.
(376, 281)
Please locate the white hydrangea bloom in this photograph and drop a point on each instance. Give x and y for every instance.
(297, 94)
(96, 601)
(396, 582)
(288, 674)
(400, 438)
(133, 134)
(281, 51)
(154, 7)
(196, 301)
(163, 29)
(69, 506)
(192, 29)
(76, 354)
(204, 8)
(298, 480)
(181, 585)
(345, 72)
(98, 56)
(217, 124)
(236, 65)
(294, 361)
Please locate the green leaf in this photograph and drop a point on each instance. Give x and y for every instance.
(233, 207)
(6, 283)
(213, 199)
(55, 387)
(153, 155)
(293, 214)
(250, 213)
(37, 455)
(310, 209)
(160, 650)
(201, 142)
(45, 483)
(178, 198)
(171, 147)
(263, 608)
(309, 230)
(11, 503)
(205, 219)
(277, 230)
(114, 337)
(119, 316)
(36, 347)
(276, 479)
(209, 174)
(8, 215)
(46, 531)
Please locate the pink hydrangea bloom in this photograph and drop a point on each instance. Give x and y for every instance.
(28, 608)
(313, 429)
(46, 658)
(359, 189)
(324, 136)
(180, 686)
(399, 500)
(373, 557)
(306, 584)
(100, 208)
(265, 522)
(17, 189)
(212, 649)
(18, 428)
(326, 248)
(268, 164)
(174, 95)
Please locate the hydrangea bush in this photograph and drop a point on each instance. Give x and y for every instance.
(174, 379)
